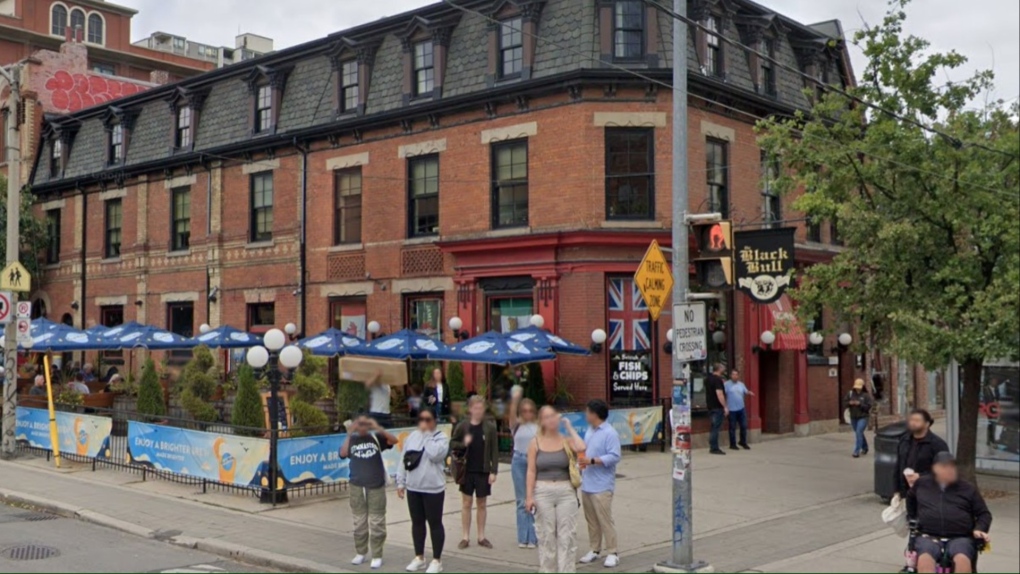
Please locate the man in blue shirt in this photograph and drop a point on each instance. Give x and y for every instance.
(598, 481)
(735, 391)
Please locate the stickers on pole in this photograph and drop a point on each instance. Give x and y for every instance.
(690, 333)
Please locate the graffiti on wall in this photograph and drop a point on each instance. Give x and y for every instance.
(70, 92)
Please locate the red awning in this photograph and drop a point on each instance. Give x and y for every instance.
(780, 318)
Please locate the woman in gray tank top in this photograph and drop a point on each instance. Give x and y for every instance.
(522, 415)
(549, 493)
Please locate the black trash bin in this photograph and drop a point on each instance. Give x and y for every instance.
(886, 440)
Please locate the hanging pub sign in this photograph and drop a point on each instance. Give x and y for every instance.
(764, 262)
(630, 377)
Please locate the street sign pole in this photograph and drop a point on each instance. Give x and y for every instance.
(13, 153)
(682, 509)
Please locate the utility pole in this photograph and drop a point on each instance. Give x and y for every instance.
(682, 508)
(13, 78)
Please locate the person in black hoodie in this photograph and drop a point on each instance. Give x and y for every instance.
(951, 509)
(916, 450)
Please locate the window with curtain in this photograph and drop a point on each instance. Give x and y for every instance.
(347, 205)
(628, 29)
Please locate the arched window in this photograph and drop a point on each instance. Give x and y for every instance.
(95, 35)
(77, 20)
(58, 20)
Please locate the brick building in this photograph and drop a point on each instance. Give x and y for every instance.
(490, 163)
(75, 55)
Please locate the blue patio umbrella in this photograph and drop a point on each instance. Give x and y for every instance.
(50, 337)
(131, 335)
(402, 345)
(546, 340)
(330, 343)
(493, 348)
(97, 329)
(226, 337)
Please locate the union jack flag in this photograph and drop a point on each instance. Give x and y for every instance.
(630, 328)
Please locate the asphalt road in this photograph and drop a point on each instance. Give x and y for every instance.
(32, 541)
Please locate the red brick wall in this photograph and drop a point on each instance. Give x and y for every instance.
(566, 188)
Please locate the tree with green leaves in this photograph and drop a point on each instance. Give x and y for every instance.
(33, 232)
(922, 176)
(455, 380)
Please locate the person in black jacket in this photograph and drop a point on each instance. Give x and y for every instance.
(859, 402)
(437, 394)
(951, 517)
(916, 450)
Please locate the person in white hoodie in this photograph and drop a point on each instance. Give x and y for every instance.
(420, 479)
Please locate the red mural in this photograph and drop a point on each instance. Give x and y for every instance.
(72, 92)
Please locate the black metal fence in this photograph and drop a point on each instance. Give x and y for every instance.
(117, 455)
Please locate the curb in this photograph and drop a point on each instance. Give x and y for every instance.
(229, 550)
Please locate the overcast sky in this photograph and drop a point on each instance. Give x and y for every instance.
(986, 31)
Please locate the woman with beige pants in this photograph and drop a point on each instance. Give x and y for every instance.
(550, 496)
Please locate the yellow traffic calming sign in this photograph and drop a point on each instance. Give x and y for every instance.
(16, 278)
(654, 279)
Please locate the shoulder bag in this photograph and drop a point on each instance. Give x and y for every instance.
(575, 472)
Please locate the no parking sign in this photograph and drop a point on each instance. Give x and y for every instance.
(5, 307)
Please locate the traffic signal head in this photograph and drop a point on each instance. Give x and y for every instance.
(714, 259)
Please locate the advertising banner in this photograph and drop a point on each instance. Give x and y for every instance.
(764, 262)
(225, 458)
(317, 459)
(635, 426)
(630, 376)
(84, 435)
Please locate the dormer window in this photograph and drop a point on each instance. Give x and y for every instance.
(628, 30)
(426, 43)
(56, 157)
(264, 109)
(511, 48)
(424, 68)
(766, 67)
(713, 63)
(184, 137)
(116, 144)
(266, 84)
(350, 96)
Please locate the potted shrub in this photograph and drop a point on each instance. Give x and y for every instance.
(69, 400)
(561, 397)
(151, 398)
(455, 380)
(310, 387)
(351, 398)
(248, 415)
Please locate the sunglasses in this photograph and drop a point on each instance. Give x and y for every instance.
(425, 419)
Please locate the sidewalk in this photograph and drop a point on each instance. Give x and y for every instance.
(791, 504)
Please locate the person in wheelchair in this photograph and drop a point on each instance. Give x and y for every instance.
(952, 518)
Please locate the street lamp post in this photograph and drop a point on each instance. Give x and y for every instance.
(266, 360)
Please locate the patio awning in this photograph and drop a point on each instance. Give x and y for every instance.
(780, 318)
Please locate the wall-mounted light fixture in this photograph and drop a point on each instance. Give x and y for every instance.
(537, 321)
(456, 325)
(373, 329)
(843, 342)
(667, 347)
(213, 294)
(767, 338)
(74, 305)
(598, 338)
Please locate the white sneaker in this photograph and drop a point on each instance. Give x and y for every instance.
(358, 560)
(522, 545)
(415, 565)
(376, 563)
(590, 557)
(612, 561)
(532, 545)
(435, 567)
